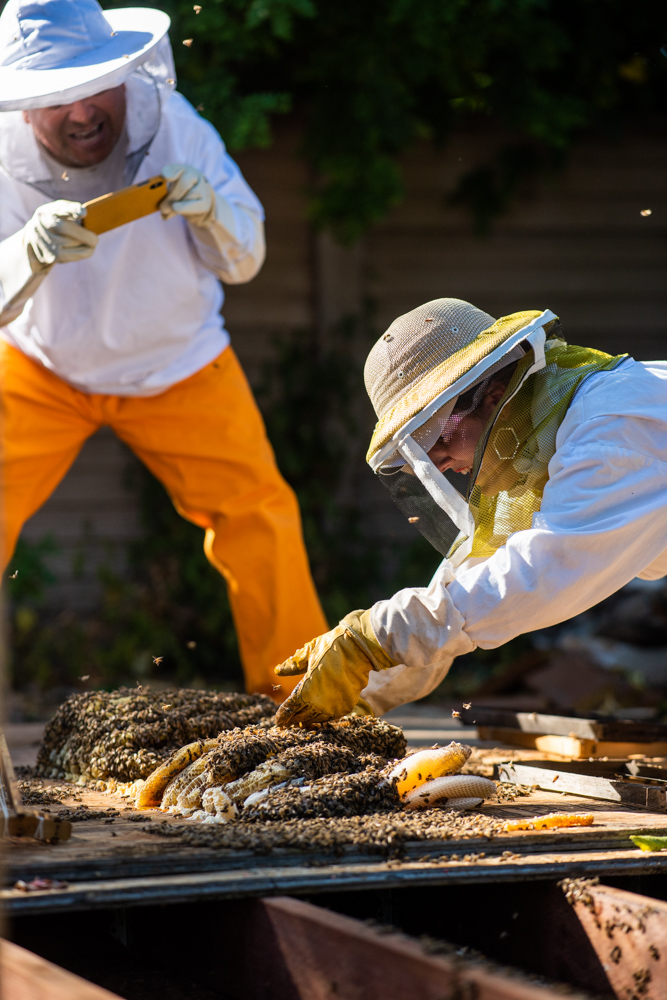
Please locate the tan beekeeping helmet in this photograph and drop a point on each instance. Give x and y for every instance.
(426, 352)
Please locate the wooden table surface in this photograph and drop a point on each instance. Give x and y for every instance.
(122, 863)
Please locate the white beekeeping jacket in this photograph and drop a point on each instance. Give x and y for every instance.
(143, 312)
(602, 522)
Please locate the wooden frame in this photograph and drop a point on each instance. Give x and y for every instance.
(26, 976)
(596, 780)
(287, 949)
(629, 935)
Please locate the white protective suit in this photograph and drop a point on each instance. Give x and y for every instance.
(143, 312)
(602, 522)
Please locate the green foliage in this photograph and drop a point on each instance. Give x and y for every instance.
(171, 605)
(488, 190)
(28, 575)
(368, 79)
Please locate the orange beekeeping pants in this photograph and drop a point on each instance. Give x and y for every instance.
(204, 439)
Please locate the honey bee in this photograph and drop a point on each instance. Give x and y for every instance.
(157, 660)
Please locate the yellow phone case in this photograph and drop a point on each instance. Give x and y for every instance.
(115, 209)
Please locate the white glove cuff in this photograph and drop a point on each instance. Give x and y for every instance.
(225, 241)
(21, 274)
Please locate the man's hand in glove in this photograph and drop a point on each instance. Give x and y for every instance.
(336, 665)
(229, 238)
(55, 235)
(189, 195)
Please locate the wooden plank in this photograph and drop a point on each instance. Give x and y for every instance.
(90, 857)
(26, 976)
(570, 746)
(541, 723)
(305, 879)
(291, 950)
(562, 746)
(629, 935)
(110, 847)
(595, 786)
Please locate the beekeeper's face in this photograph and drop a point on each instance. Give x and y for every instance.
(456, 449)
(81, 134)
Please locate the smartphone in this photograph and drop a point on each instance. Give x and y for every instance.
(112, 210)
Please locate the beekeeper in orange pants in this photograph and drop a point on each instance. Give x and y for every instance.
(205, 441)
(124, 329)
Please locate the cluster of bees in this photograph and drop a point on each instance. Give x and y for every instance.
(120, 736)
(214, 758)
(391, 833)
(336, 769)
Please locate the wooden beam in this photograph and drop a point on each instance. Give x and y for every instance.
(561, 860)
(26, 976)
(291, 950)
(596, 780)
(602, 728)
(569, 746)
(629, 935)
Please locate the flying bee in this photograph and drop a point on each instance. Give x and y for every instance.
(13, 575)
(188, 42)
(157, 660)
(455, 714)
(467, 705)
(277, 687)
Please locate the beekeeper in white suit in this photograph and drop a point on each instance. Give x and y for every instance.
(565, 453)
(125, 330)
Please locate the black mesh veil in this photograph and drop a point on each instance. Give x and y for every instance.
(414, 501)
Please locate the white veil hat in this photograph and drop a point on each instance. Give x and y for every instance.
(61, 51)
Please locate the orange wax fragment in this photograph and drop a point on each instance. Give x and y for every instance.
(549, 822)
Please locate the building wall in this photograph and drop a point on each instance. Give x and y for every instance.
(574, 242)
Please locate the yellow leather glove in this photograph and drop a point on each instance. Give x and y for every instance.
(336, 665)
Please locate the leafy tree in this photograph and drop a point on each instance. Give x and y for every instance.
(369, 78)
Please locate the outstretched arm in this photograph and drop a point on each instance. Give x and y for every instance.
(602, 521)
